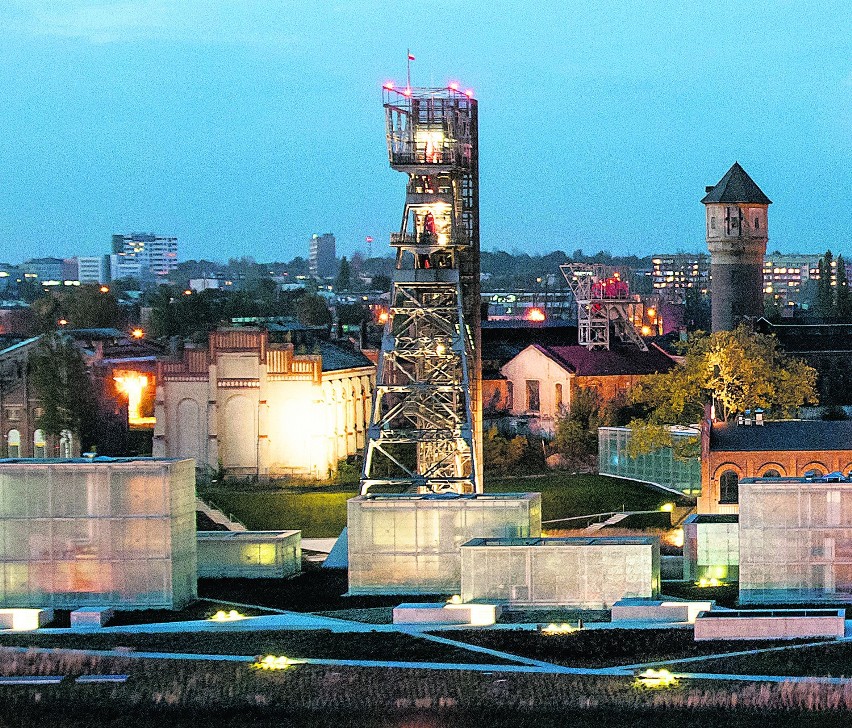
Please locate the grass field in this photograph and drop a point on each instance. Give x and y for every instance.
(292, 643)
(829, 660)
(321, 513)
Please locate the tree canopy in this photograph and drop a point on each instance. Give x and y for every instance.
(733, 370)
(60, 380)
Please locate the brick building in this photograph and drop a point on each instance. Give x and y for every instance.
(786, 448)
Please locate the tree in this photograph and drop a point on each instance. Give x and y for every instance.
(696, 310)
(60, 380)
(499, 453)
(343, 282)
(734, 371)
(576, 434)
(311, 310)
(380, 282)
(825, 291)
(844, 296)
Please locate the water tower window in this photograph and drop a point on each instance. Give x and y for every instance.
(756, 222)
(712, 223)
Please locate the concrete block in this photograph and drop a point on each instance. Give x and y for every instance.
(637, 610)
(91, 616)
(762, 624)
(444, 613)
(24, 619)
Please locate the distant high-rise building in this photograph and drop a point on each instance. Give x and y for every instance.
(143, 254)
(736, 211)
(322, 260)
(672, 275)
(92, 269)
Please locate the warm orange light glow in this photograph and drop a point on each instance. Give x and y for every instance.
(104, 289)
(63, 322)
(535, 314)
(187, 292)
(133, 384)
(652, 312)
(137, 333)
(646, 331)
(383, 317)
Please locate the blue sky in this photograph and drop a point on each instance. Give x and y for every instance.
(244, 126)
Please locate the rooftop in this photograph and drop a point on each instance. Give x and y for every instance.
(609, 362)
(566, 541)
(736, 186)
(782, 435)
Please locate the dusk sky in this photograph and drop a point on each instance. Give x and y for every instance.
(244, 126)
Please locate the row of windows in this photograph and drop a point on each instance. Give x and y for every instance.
(13, 442)
(729, 483)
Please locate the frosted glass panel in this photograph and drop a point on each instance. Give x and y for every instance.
(110, 532)
(410, 544)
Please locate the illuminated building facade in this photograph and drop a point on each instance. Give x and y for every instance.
(111, 532)
(426, 420)
(255, 406)
(673, 275)
(736, 211)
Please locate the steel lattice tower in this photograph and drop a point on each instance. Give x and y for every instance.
(603, 302)
(426, 420)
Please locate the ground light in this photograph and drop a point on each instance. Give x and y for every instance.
(563, 628)
(656, 679)
(667, 507)
(272, 662)
(223, 616)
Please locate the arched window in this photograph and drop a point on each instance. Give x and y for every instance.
(728, 487)
(39, 444)
(772, 473)
(66, 444)
(814, 473)
(558, 398)
(14, 441)
(510, 396)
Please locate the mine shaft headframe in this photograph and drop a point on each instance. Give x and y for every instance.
(429, 130)
(603, 302)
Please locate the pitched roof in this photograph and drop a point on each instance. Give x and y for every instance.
(602, 362)
(782, 435)
(736, 186)
(336, 357)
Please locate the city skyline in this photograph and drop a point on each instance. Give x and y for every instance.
(244, 131)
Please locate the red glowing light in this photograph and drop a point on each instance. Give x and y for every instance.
(454, 85)
(369, 238)
(406, 92)
(535, 314)
(388, 85)
(469, 93)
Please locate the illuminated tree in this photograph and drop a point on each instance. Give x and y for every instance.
(733, 370)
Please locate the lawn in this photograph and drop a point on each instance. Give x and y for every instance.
(828, 660)
(321, 514)
(564, 495)
(605, 648)
(292, 643)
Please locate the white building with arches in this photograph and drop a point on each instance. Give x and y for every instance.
(250, 406)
